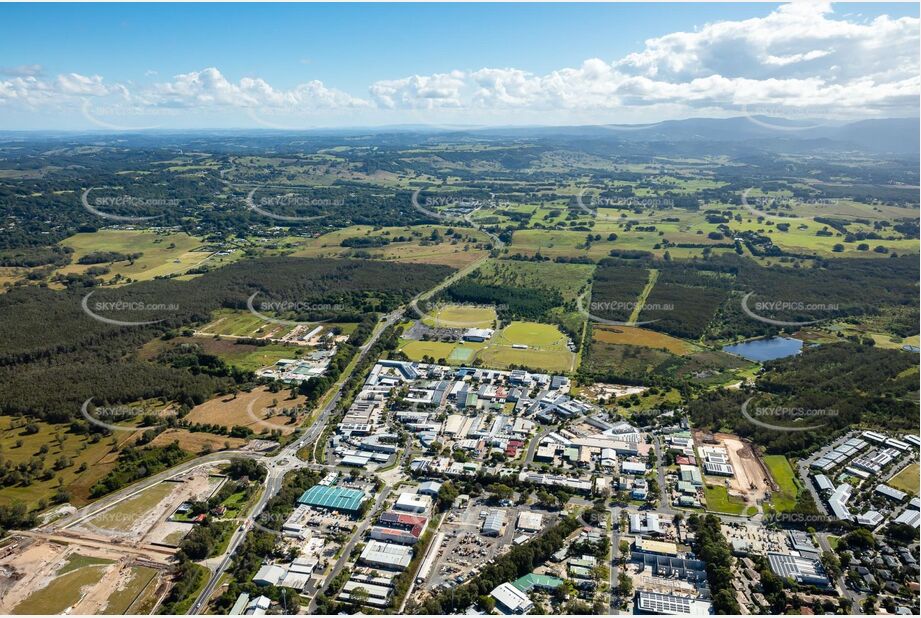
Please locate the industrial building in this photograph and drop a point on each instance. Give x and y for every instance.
(413, 503)
(399, 528)
(645, 523)
(800, 569)
(494, 522)
(511, 599)
(386, 555)
(530, 522)
(334, 498)
(648, 602)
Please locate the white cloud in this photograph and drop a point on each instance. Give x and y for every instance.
(23, 70)
(796, 57)
(799, 58)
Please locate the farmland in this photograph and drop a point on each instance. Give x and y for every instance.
(631, 335)
(162, 253)
(422, 244)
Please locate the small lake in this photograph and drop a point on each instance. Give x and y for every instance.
(762, 350)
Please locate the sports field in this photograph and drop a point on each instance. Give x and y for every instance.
(461, 316)
(546, 348)
(907, 480)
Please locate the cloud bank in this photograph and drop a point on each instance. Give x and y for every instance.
(800, 59)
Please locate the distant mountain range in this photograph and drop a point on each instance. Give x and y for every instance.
(889, 135)
(897, 136)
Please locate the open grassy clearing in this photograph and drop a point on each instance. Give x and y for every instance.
(243, 324)
(719, 500)
(197, 441)
(417, 245)
(569, 280)
(632, 335)
(783, 474)
(907, 479)
(19, 446)
(461, 316)
(801, 238)
(229, 411)
(243, 355)
(164, 253)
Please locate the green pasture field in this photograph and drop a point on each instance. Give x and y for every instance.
(719, 500)
(164, 253)
(417, 249)
(783, 474)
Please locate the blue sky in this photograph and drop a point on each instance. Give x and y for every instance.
(333, 65)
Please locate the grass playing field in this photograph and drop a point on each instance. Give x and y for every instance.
(907, 479)
(546, 348)
(461, 316)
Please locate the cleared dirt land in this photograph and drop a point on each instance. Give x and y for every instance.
(750, 481)
(39, 577)
(137, 518)
(254, 410)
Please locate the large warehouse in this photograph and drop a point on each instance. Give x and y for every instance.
(334, 498)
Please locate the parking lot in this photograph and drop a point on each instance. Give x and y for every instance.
(465, 547)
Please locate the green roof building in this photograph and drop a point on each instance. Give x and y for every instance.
(541, 582)
(334, 498)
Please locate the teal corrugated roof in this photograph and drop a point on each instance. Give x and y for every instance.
(338, 498)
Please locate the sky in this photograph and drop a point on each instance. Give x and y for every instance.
(302, 66)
